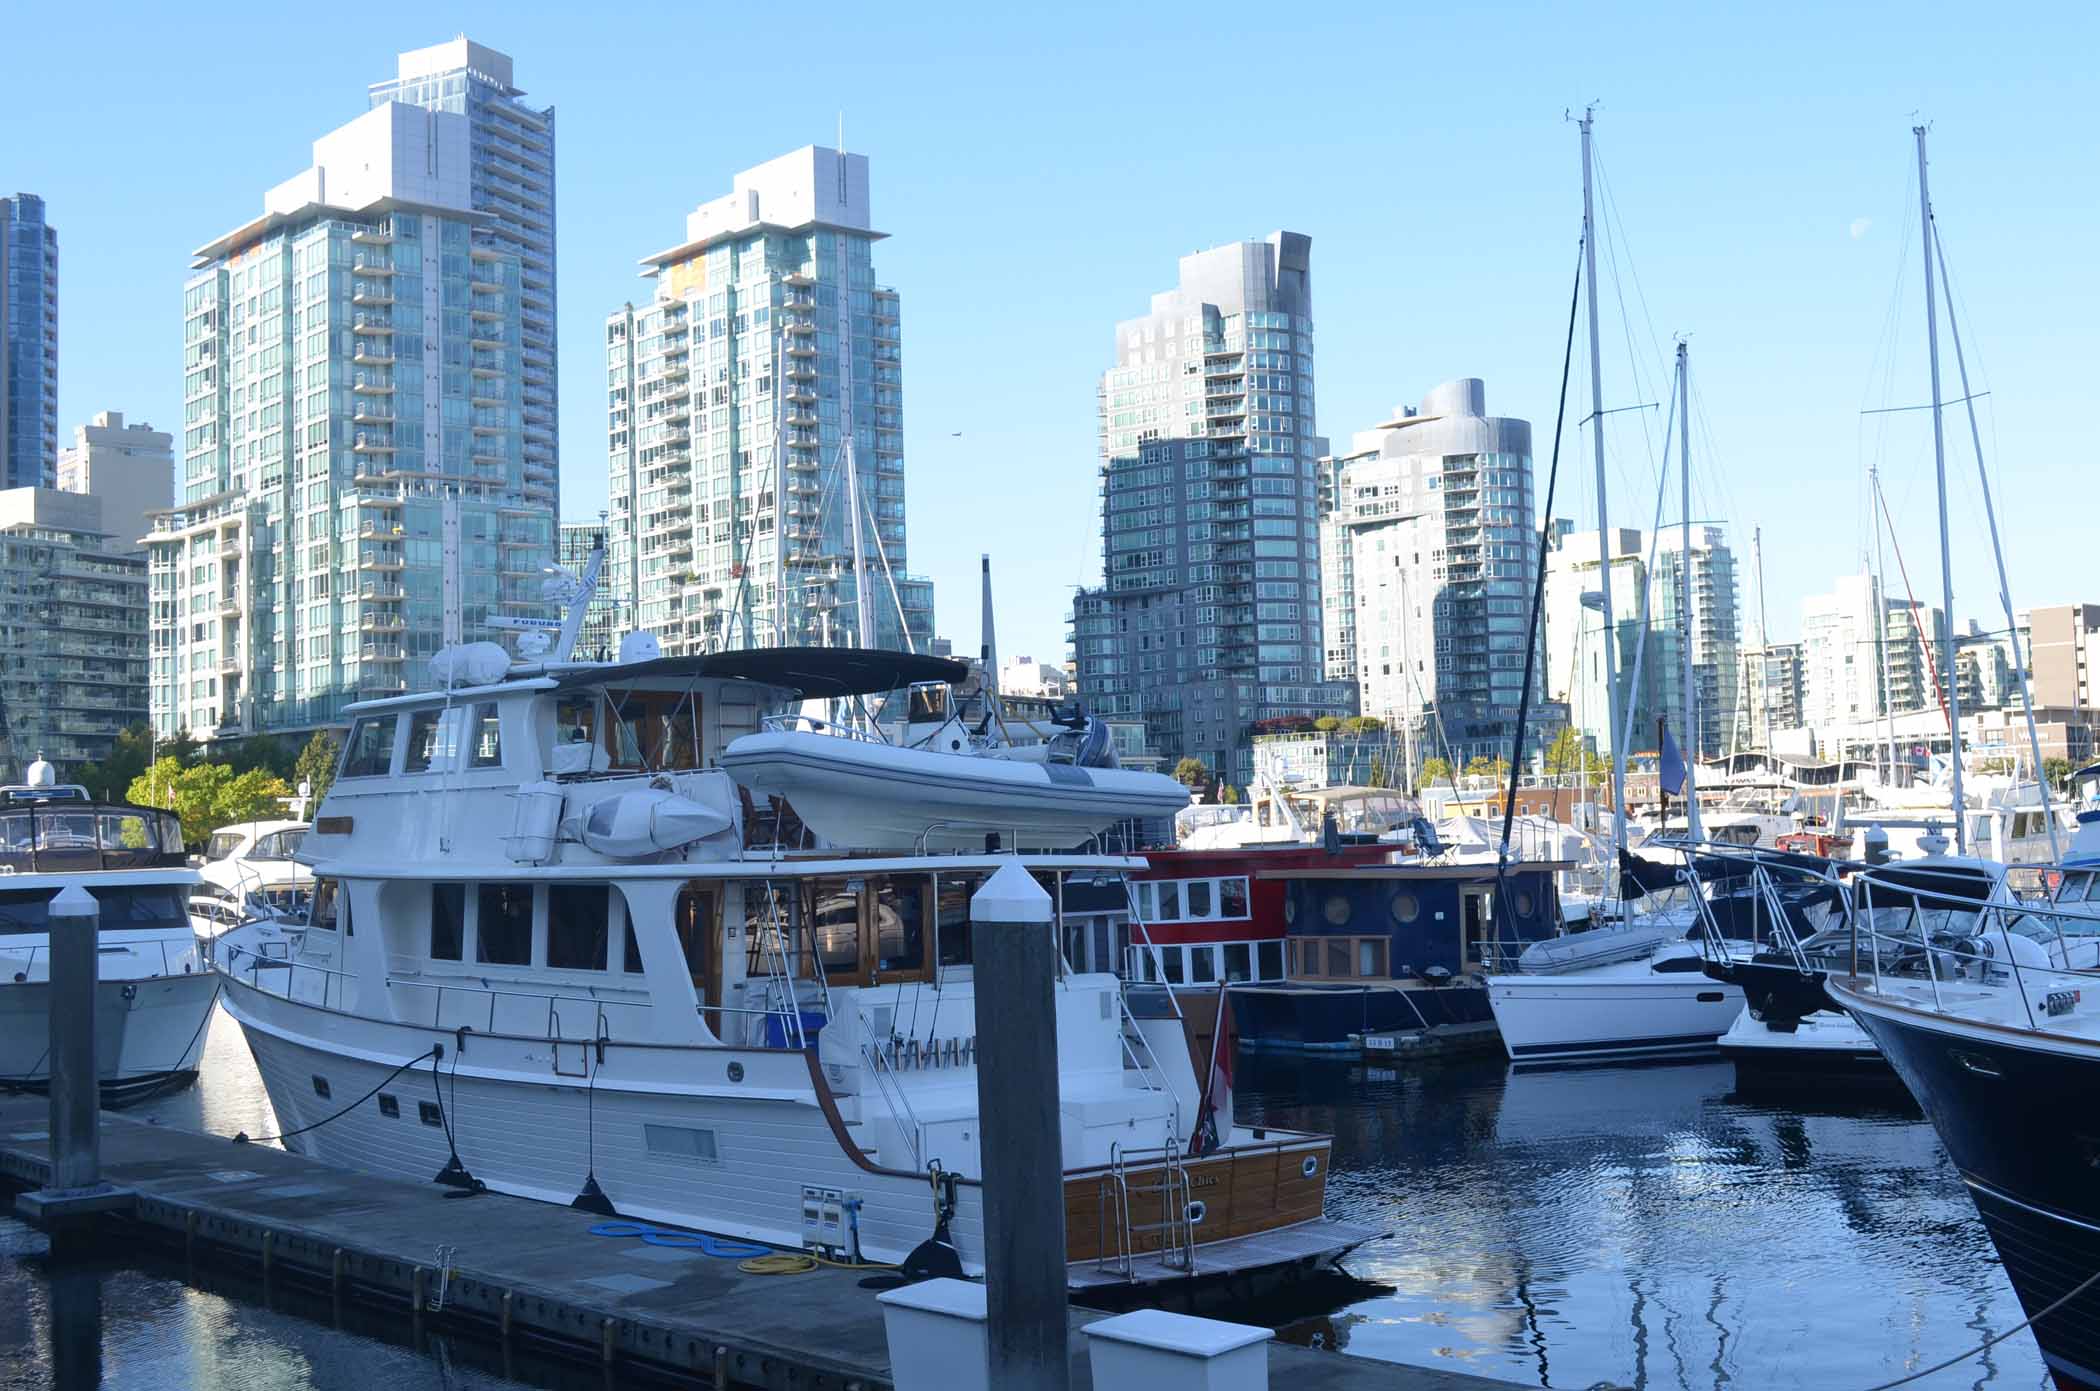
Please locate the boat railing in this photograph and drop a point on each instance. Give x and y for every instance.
(891, 1087)
(1176, 1227)
(24, 966)
(987, 828)
(1974, 945)
(796, 723)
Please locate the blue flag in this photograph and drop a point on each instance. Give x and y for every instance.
(1672, 773)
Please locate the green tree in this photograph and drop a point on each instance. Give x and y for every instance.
(1327, 724)
(1568, 752)
(1377, 776)
(1362, 724)
(128, 757)
(1191, 773)
(2057, 770)
(257, 794)
(1435, 770)
(182, 748)
(1482, 766)
(316, 766)
(1229, 795)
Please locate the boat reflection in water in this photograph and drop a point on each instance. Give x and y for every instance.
(1644, 1226)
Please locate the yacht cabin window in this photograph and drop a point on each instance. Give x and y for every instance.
(503, 925)
(369, 752)
(448, 921)
(485, 737)
(427, 745)
(577, 920)
(322, 914)
(655, 731)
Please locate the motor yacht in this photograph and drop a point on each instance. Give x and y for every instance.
(153, 992)
(586, 932)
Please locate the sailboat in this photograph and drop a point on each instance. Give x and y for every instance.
(1638, 989)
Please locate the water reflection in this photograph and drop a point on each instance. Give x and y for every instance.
(1644, 1226)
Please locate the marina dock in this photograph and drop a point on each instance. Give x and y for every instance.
(530, 1272)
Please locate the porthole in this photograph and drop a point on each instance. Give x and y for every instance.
(1524, 903)
(320, 1086)
(1311, 1165)
(431, 1113)
(389, 1105)
(1336, 909)
(1196, 1213)
(1406, 907)
(736, 1072)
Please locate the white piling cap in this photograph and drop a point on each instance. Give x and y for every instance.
(73, 902)
(1010, 896)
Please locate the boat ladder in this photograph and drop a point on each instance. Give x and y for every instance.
(1173, 1236)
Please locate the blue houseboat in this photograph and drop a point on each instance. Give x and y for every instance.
(1381, 949)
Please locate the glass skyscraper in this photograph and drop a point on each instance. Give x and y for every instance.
(735, 393)
(510, 153)
(28, 344)
(1208, 619)
(354, 492)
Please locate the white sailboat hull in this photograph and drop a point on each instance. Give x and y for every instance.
(866, 795)
(1628, 1009)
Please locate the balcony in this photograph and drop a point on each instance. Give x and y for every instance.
(373, 323)
(381, 559)
(483, 287)
(372, 295)
(372, 354)
(483, 344)
(373, 386)
(372, 265)
(366, 413)
(482, 309)
(486, 402)
(372, 444)
(372, 236)
(487, 365)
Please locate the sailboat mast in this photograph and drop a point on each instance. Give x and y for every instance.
(1764, 635)
(1939, 466)
(1990, 513)
(1684, 589)
(1611, 632)
(988, 645)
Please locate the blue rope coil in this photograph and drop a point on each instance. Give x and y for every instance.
(718, 1247)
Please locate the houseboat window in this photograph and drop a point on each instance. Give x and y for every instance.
(1370, 957)
(1237, 965)
(1406, 907)
(900, 924)
(503, 925)
(322, 912)
(1338, 955)
(1147, 901)
(1233, 898)
(576, 926)
(1201, 900)
(1170, 957)
(1337, 909)
(1147, 965)
(1169, 900)
(655, 730)
(426, 744)
(486, 738)
(448, 921)
(1269, 957)
(1523, 902)
(1203, 965)
(370, 750)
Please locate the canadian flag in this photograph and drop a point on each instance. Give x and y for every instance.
(1214, 1118)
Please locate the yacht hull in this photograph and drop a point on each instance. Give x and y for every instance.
(2007, 1105)
(1612, 1012)
(149, 1034)
(860, 794)
(727, 1140)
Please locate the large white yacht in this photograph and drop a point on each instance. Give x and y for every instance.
(154, 993)
(250, 870)
(559, 947)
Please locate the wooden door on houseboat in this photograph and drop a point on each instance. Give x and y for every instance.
(698, 921)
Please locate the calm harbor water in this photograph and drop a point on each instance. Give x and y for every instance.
(1643, 1227)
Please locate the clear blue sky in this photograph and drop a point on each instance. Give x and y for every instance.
(1040, 169)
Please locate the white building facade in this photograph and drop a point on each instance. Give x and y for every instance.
(756, 424)
(131, 468)
(353, 491)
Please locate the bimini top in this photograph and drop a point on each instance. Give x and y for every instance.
(816, 672)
